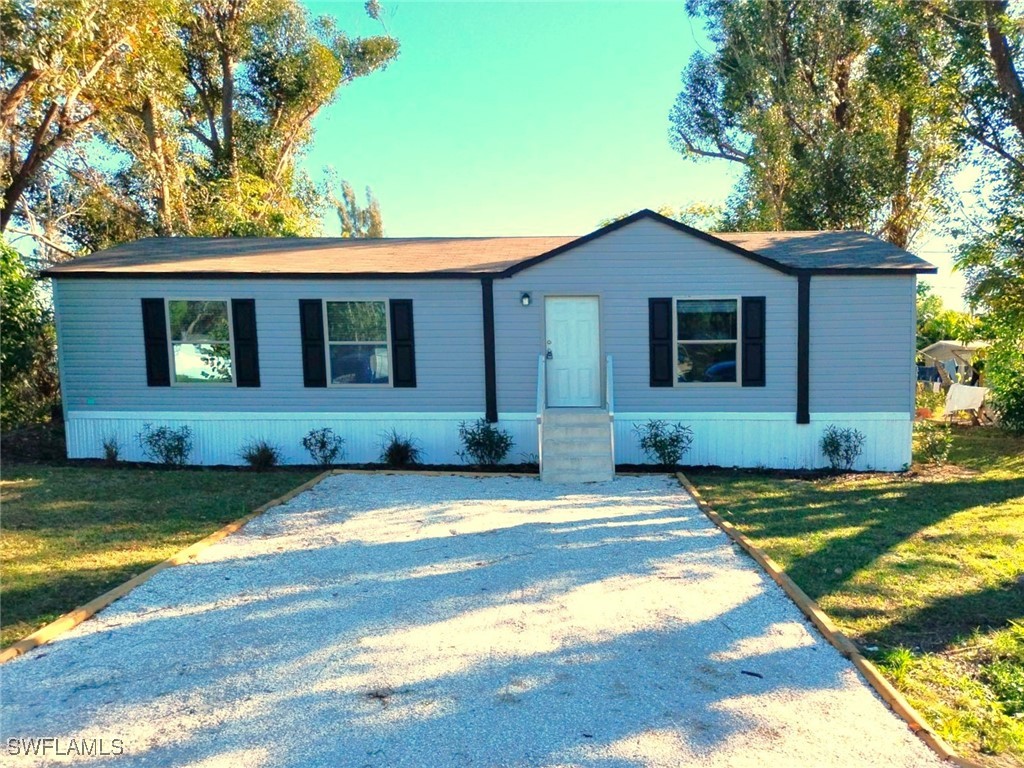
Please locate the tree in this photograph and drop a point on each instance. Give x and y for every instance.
(829, 108)
(702, 216)
(27, 365)
(986, 64)
(355, 220)
(210, 146)
(935, 322)
(64, 66)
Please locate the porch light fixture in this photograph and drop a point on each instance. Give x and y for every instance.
(525, 299)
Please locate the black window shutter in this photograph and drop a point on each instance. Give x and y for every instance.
(314, 366)
(753, 341)
(154, 331)
(403, 351)
(247, 355)
(661, 341)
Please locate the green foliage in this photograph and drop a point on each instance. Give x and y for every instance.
(1006, 678)
(830, 108)
(22, 318)
(70, 68)
(842, 447)
(29, 387)
(985, 61)
(934, 441)
(399, 450)
(261, 455)
(702, 216)
(664, 443)
(1004, 375)
(484, 443)
(166, 445)
(935, 322)
(199, 134)
(930, 399)
(324, 446)
(896, 663)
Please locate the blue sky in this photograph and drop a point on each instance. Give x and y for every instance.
(510, 118)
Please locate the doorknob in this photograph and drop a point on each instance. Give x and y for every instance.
(549, 356)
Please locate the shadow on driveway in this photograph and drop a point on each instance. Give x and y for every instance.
(411, 621)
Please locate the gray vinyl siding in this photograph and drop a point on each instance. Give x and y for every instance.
(103, 357)
(625, 268)
(862, 343)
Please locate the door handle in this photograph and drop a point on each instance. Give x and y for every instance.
(549, 356)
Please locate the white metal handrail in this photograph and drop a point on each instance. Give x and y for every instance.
(541, 405)
(609, 401)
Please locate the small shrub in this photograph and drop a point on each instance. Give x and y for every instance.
(842, 446)
(166, 445)
(399, 451)
(664, 443)
(324, 446)
(111, 451)
(261, 455)
(934, 441)
(484, 443)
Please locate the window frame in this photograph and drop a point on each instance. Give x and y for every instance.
(327, 342)
(738, 341)
(171, 342)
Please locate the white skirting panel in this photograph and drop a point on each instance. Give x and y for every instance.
(772, 440)
(219, 437)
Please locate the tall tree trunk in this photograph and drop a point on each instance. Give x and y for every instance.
(897, 228)
(1007, 77)
(227, 106)
(155, 143)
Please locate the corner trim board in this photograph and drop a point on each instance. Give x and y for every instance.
(803, 349)
(490, 366)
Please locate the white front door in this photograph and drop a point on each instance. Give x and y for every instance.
(573, 351)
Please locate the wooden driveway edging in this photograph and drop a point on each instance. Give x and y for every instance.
(75, 617)
(893, 698)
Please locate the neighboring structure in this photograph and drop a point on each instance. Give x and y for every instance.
(758, 341)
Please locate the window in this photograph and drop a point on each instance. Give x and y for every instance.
(200, 342)
(357, 342)
(706, 340)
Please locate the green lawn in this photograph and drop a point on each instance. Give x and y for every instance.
(925, 571)
(68, 534)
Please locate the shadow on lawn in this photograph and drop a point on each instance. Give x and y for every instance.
(882, 516)
(32, 603)
(529, 643)
(945, 620)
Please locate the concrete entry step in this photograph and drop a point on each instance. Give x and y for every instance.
(576, 446)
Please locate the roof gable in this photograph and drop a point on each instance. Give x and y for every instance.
(646, 213)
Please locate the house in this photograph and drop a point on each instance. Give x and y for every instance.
(756, 340)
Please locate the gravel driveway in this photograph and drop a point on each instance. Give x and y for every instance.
(446, 621)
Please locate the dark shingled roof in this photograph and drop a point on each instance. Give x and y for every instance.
(790, 252)
(837, 249)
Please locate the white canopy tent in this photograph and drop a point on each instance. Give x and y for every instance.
(942, 351)
(953, 358)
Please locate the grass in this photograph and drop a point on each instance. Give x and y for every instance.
(68, 534)
(924, 570)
